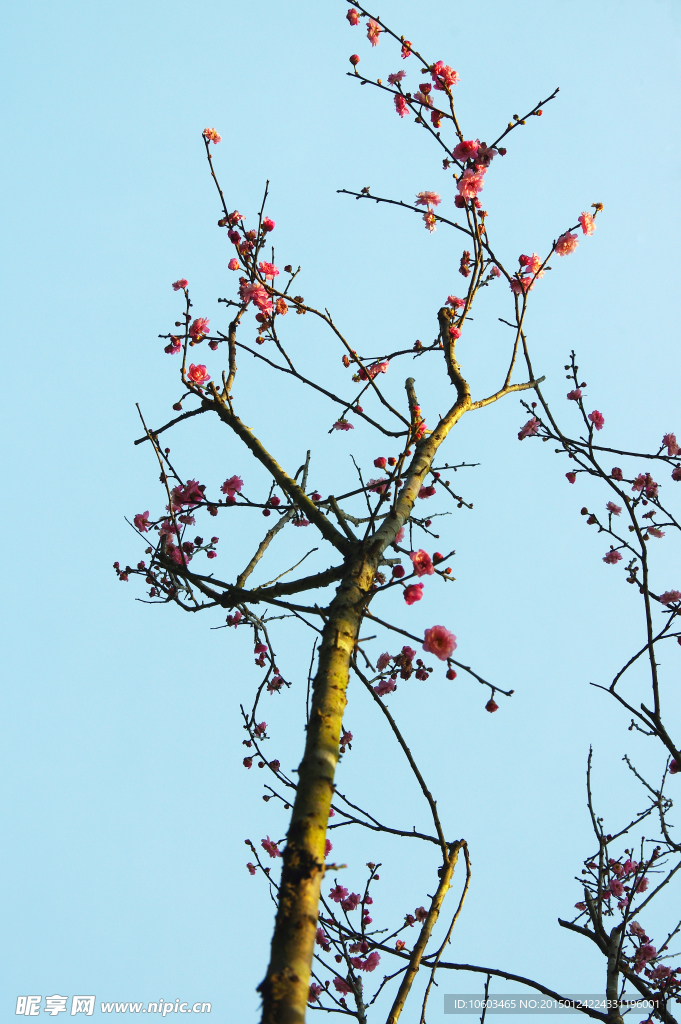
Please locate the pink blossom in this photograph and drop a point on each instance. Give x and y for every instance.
(532, 264)
(466, 150)
(421, 560)
(268, 270)
(199, 327)
(351, 902)
(616, 888)
(354, 59)
(670, 597)
(373, 31)
(455, 303)
(420, 913)
(443, 76)
(642, 885)
(495, 272)
(669, 442)
(427, 492)
(328, 847)
(385, 686)
(267, 224)
(612, 507)
(616, 473)
(676, 473)
(370, 964)
(530, 428)
(373, 370)
(342, 424)
(571, 477)
(353, 16)
(314, 993)
(174, 346)
(401, 105)
(428, 199)
(597, 418)
(399, 536)
(574, 396)
(233, 264)
(269, 846)
(470, 183)
(322, 938)
(440, 642)
(232, 485)
(251, 868)
(413, 593)
(588, 223)
(180, 285)
(190, 494)
(345, 740)
(141, 521)
(654, 532)
(210, 135)
(341, 986)
(430, 221)
(338, 893)
(198, 374)
(644, 954)
(378, 486)
(258, 293)
(644, 481)
(383, 661)
(454, 332)
(396, 77)
(612, 557)
(567, 243)
(673, 767)
(406, 49)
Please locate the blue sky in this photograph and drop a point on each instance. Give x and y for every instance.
(125, 802)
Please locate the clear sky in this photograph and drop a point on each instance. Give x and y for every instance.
(125, 803)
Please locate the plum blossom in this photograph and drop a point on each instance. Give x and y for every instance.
(257, 293)
(399, 536)
(440, 642)
(673, 767)
(422, 562)
(198, 374)
(654, 532)
(574, 396)
(396, 77)
(268, 270)
(141, 521)
(669, 442)
(342, 424)
(351, 902)
(644, 481)
(566, 244)
(210, 135)
(180, 284)
(269, 846)
(443, 76)
(616, 473)
(314, 993)
(530, 428)
(455, 303)
(612, 557)
(341, 986)
(373, 31)
(233, 264)
(174, 346)
(428, 199)
(199, 327)
(385, 686)
(571, 477)
(430, 220)
(232, 485)
(373, 370)
(597, 418)
(413, 593)
(612, 507)
(470, 183)
(426, 492)
(353, 16)
(670, 597)
(406, 49)
(401, 105)
(466, 150)
(370, 964)
(491, 706)
(588, 223)
(338, 893)
(383, 659)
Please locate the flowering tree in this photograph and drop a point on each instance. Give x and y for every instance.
(376, 535)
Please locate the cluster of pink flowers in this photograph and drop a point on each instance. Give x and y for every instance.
(190, 494)
(199, 328)
(372, 371)
(528, 274)
(257, 293)
(210, 135)
(269, 846)
(670, 597)
(180, 284)
(644, 482)
(231, 486)
(443, 76)
(268, 270)
(428, 199)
